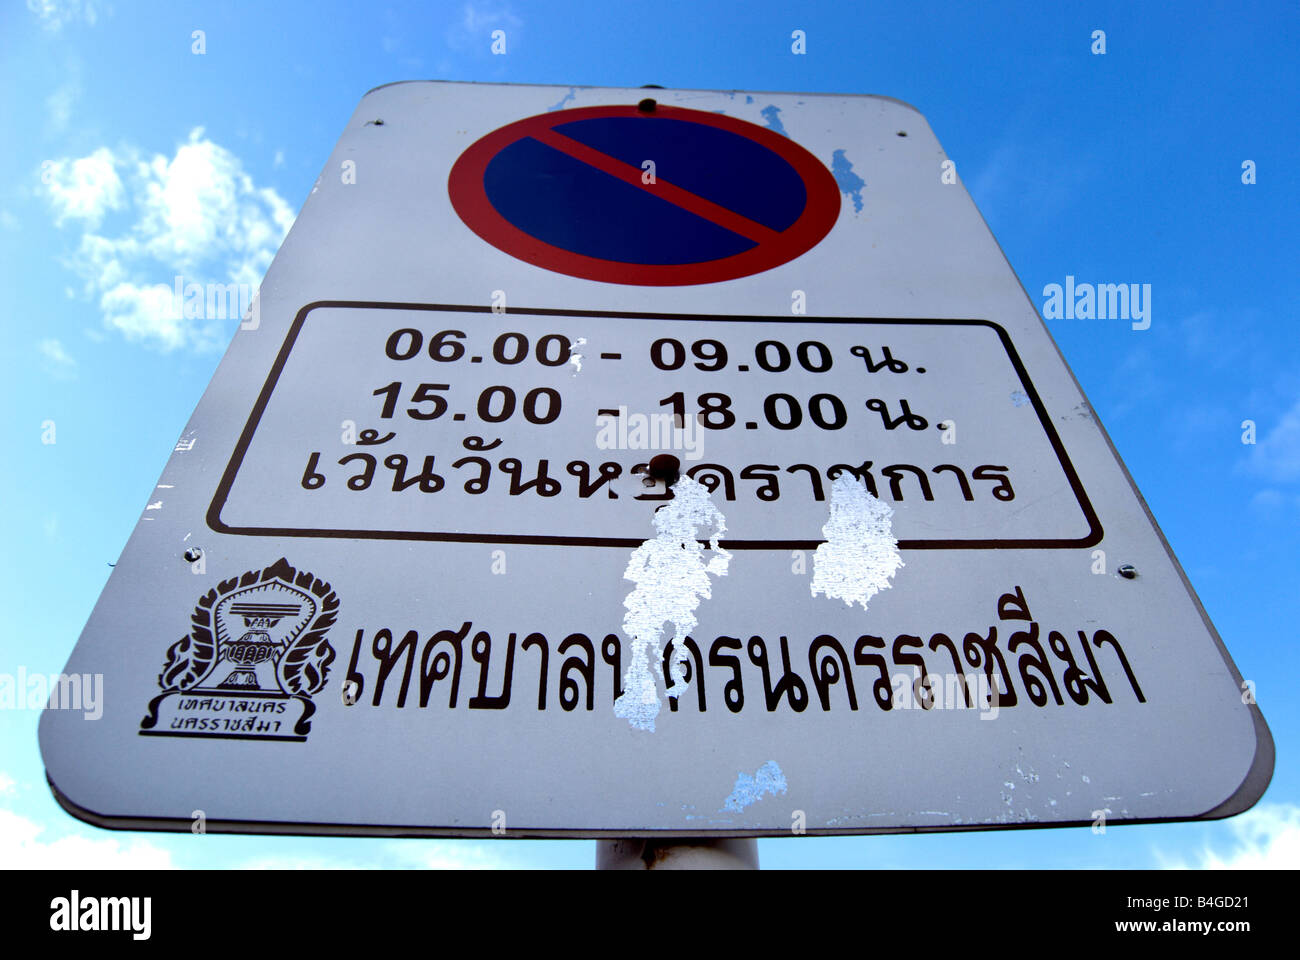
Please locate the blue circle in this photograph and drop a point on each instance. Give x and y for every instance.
(571, 205)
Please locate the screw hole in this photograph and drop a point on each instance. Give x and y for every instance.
(665, 467)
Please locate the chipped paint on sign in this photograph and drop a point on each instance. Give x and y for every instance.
(671, 576)
(772, 117)
(573, 92)
(850, 183)
(575, 357)
(860, 553)
(750, 789)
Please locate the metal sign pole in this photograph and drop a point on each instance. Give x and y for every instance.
(704, 853)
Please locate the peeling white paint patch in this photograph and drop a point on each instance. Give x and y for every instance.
(575, 358)
(749, 789)
(860, 553)
(671, 577)
(1030, 777)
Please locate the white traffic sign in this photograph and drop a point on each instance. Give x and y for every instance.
(647, 462)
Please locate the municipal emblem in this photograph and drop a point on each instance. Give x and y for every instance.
(255, 656)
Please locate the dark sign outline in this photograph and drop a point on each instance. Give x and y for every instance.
(1093, 537)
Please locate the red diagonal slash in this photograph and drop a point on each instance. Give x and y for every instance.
(661, 188)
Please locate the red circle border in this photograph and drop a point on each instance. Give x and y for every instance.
(469, 200)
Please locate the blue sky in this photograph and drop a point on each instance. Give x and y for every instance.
(127, 156)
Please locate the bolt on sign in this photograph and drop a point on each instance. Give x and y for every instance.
(645, 462)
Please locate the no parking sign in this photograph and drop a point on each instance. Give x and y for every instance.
(653, 195)
(403, 573)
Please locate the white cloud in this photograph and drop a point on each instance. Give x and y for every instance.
(477, 21)
(1040, 177)
(53, 14)
(26, 844)
(196, 215)
(85, 188)
(453, 855)
(405, 854)
(992, 178)
(1276, 456)
(24, 847)
(201, 204)
(57, 360)
(58, 106)
(290, 862)
(147, 313)
(1268, 498)
(1264, 838)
